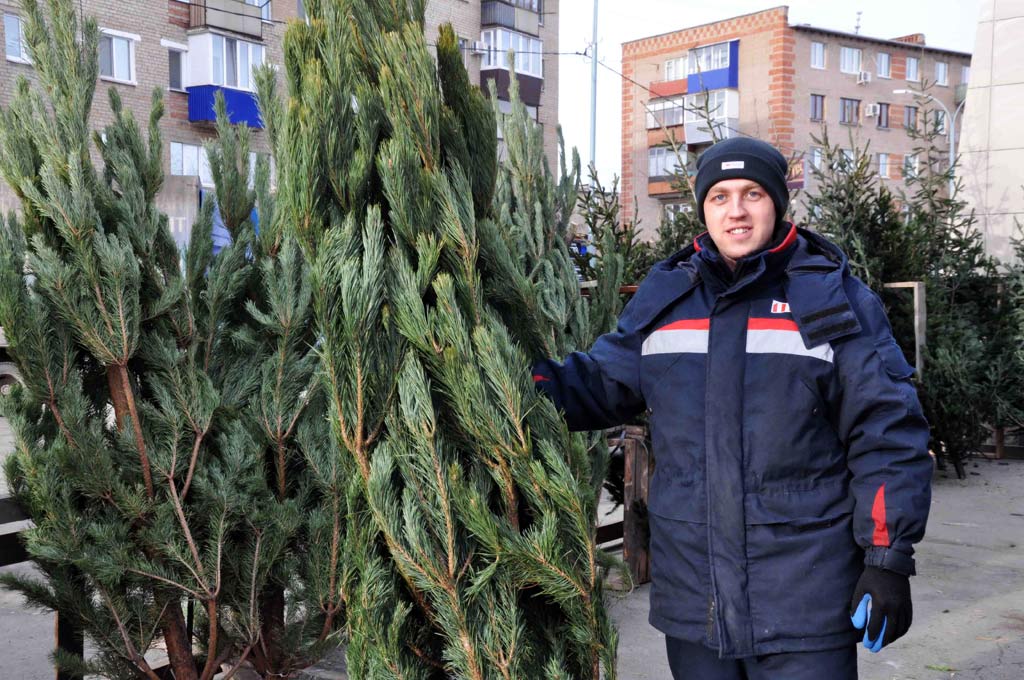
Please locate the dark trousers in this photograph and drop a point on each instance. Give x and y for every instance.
(690, 661)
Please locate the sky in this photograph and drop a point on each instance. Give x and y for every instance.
(945, 23)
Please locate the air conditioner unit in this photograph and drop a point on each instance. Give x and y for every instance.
(863, 77)
(478, 47)
(872, 110)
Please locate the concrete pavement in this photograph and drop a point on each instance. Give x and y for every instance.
(968, 599)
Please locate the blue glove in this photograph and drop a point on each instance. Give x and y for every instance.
(883, 608)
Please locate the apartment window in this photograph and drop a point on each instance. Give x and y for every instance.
(883, 115)
(234, 62)
(910, 117)
(965, 74)
(191, 160)
(816, 157)
(117, 56)
(499, 41)
(709, 58)
(175, 69)
(817, 107)
(884, 64)
(910, 165)
(662, 161)
(664, 112)
(849, 111)
(14, 40)
(942, 73)
(940, 122)
(849, 59)
(674, 210)
(883, 165)
(675, 69)
(264, 6)
(817, 55)
(702, 104)
(913, 69)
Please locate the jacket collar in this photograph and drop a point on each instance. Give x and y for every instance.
(758, 268)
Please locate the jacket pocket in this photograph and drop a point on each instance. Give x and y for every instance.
(816, 506)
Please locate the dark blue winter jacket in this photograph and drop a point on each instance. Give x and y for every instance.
(790, 447)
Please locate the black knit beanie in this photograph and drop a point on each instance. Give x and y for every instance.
(744, 158)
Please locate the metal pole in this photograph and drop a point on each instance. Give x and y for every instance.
(593, 93)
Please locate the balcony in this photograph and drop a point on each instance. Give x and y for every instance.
(228, 15)
(510, 14)
(241, 105)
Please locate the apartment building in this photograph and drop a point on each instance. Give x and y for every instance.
(992, 150)
(193, 49)
(759, 75)
(487, 29)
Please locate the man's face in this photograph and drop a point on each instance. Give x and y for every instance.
(740, 217)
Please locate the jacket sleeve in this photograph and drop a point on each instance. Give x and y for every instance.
(886, 436)
(600, 388)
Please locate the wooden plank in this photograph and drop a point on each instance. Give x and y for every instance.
(609, 532)
(10, 511)
(636, 538)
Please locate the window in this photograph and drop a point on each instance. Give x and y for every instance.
(883, 165)
(117, 56)
(702, 104)
(849, 60)
(504, 110)
(662, 161)
(883, 115)
(234, 62)
(499, 41)
(884, 65)
(14, 40)
(674, 210)
(816, 156)
(817, 55)
(709, 58)
(849, 111)
(817, 107)
(664, 112)
(942, 73)
(675, 69)
(264, 6)
(913, 69)
(910, 117)
(965, 74)
(190, 159)
(175, 69)
(910, 165)
(940, 122)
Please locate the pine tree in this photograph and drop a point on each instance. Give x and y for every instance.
(150, 450)
(472, 509)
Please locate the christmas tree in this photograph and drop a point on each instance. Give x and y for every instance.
(169, 443)
(472, 509)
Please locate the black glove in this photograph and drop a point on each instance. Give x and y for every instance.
(881, 606)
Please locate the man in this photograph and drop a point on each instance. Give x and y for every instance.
(792, 472)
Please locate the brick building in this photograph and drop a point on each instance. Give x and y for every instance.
(759, 75)
(192, 49)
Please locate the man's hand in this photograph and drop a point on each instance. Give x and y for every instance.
(881, 606)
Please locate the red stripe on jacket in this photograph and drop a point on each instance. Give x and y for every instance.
(881, 533)
(771, 325)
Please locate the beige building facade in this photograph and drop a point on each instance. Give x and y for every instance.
(761, 76)
(193, 49)
(992, 144)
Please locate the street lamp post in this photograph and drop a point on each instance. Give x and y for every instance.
(950, 129)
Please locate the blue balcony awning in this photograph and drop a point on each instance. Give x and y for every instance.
(241, 105)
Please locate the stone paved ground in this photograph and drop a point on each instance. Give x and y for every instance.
(968, 599)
